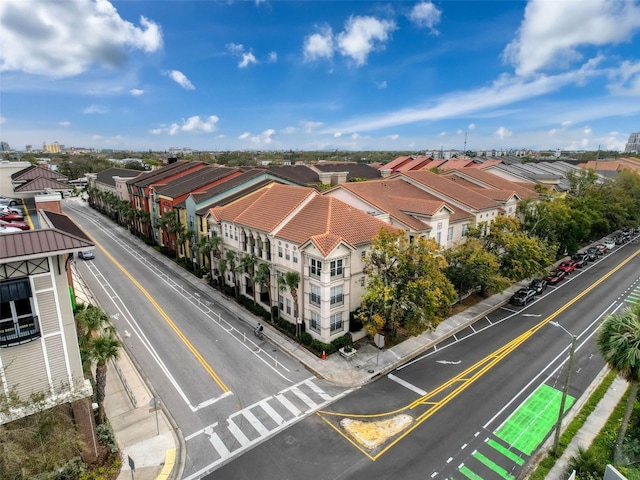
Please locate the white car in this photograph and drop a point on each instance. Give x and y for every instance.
(9, 201)
(9, 230)
(609, 243)
(6, 209)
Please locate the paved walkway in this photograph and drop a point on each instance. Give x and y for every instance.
(149, 437)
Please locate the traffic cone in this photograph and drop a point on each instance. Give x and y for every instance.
(324, 355)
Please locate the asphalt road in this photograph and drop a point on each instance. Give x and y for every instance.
(469, 399)
(226, 389)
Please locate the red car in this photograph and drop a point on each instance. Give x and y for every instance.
(9, 217)
(16, 224)
(555, 277)
(567, 266)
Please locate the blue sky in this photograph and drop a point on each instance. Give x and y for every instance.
(320, 75)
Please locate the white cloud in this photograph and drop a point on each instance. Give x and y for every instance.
(566, 124)
(337, 135)
(191, 124)
(244, 135)
(395, 136)
(235, 48)
(503, 133)
(442, 134)
(247, 59)
(135, 92)
(64, 123)
(362, 35)
(626, 79)
(181, 79)
(95, 109)
(472, 126)
(310, 127)
(289, 130)
(552, 31)
(272, 57)
(63, 39)
(587, 131)
(381, 85)
(318, 45)
(264, 137)
(355, 136)
(426, 15)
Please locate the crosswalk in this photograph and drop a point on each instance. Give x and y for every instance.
(251, 425)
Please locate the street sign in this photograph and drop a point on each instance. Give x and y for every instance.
(132, 465)
(378, 340)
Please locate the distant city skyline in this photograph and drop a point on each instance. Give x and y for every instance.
(318, 75)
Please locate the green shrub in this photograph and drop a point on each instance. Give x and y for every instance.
(306, 339)
(343, 341)
(107, 437)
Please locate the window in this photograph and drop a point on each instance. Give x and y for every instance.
(465, 229)
(287, 254)
(438, 237)
(315, 268)
(336, 322)
(281, 302)
(314, 324)
(450, 234)
(314, 295)
(439, 225)
(336, 295)
(295, 255)
(336, 268)
(362, 281)
(363, 254)
(280, 251)
(18, 324)
(235, 233)
(288, 310)
(226, 231)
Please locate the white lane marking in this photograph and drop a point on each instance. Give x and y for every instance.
(290, 406)
(239, 434)
(255, 423)
(218, 444)
(406, 384)
(449, 362)
(318, 390)
(271, 412)
(302, 396)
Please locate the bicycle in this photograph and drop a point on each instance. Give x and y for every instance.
(258, 332)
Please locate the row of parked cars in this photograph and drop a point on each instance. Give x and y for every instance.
(11, 216)
(524, 295)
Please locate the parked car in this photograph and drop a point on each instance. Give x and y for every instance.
(603, 248)
(538, 285)
(596, 250)
(580, 259)
(555, 276)
(9, 229)
(7, 209)
(8, 217)
(591, 256)
(567, 266)
(86, 255)
(12, 202)
(522, 296)
(16, 224)
(610, 243)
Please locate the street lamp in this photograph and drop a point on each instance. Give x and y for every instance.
(556, 440)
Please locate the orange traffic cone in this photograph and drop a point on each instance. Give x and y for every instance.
(324, 355)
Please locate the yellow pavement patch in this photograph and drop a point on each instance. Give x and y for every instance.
(373, 434)
(169, 462)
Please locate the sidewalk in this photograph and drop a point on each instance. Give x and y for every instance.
(150, 438)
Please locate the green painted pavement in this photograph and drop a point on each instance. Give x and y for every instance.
(469, 474)
(506, 452)
(528, 426)
(492, 465)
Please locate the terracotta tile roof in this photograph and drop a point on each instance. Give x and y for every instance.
(446, 187)
(485, 164)
(455, 163)
(490, 180)
(398, 198)
(38, 243)
(326, 221)
(416, 163)
(494, 193)
(265, 209)
(156, 176)
(395, 163)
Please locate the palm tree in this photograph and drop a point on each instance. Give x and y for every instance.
(103, 348)
(91, 322)
(249, 263)
(263, 278)
(231, 263)
(290, 281)
(619, 344)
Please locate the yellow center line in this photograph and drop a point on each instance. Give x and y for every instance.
(175, 328)
(469, 376)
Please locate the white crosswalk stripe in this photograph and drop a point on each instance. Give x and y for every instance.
(264, 418)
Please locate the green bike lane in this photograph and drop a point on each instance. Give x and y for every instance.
(509, 447)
